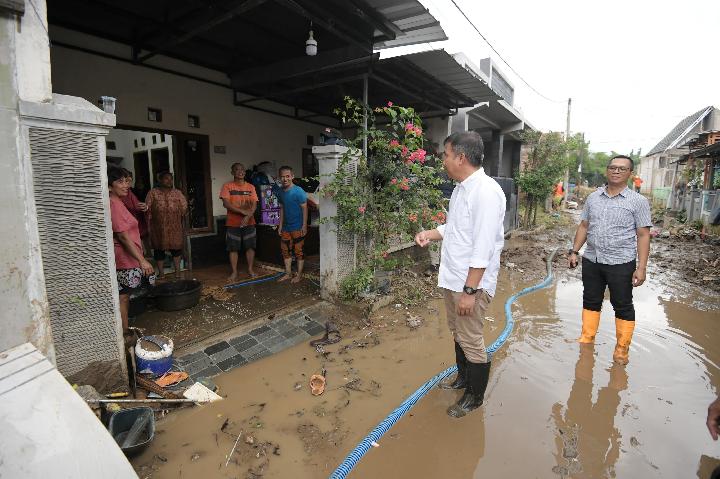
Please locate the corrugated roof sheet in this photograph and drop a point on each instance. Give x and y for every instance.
(412, 18)
(445, 68)
(679, 131)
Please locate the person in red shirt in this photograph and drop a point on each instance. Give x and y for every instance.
(240, 200)
(138, 209)
(130, 264)
(637, 182)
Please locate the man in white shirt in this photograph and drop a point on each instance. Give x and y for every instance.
(473, 238)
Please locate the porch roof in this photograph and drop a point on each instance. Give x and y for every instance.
(234, 35)
(497, 115)
(433, 82)
(708, 151)
(260, 46)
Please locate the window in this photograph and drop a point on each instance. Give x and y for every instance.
(154, 114)
(154, 138)
(193, 121)
(110, 145)
(135, 142)
(142, 141)
(663, 162)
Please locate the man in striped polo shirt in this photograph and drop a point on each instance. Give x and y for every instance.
(616, 225)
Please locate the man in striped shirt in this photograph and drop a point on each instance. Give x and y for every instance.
(616, 225)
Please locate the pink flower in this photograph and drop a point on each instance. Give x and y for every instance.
(390, 103)
(418, 155)
(362, 209)
(394, 143)
(386, 254)
(404, 187)
(409, 126)
(393, 181)
(418, 131)
(404, 151)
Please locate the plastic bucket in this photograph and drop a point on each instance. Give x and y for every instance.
(120, 424)
(154, 355)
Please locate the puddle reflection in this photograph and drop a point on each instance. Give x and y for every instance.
(589, 441)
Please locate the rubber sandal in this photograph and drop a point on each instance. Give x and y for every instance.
(332, 336)
(168, 379)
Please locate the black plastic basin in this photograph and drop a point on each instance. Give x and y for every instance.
(120, 424)
(177, 295)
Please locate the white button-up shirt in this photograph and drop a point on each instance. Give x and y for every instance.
(473, 235)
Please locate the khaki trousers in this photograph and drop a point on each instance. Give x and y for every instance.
(468, 330)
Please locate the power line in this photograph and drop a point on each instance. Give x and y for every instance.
(501, 58)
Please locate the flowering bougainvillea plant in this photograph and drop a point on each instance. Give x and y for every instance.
(394, 193)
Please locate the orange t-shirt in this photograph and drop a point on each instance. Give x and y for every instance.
(240, 196)
(638, 181)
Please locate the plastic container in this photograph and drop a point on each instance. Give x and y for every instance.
(107, 103)
(154, 355)
(120, 424)
(177, 295)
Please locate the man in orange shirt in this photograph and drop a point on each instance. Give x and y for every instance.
(240, 200)
(637, 181)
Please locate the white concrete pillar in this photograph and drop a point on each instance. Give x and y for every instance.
(23, 300)
(337, 250)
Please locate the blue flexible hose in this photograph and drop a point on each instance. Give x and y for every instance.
(364, 446)
(254, 281)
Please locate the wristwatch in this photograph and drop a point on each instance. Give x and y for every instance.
(468, 290)
(572, 251)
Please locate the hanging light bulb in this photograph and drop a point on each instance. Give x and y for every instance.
(311, 44)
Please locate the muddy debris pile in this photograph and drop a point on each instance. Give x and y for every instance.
(530, 259)
(692, 261)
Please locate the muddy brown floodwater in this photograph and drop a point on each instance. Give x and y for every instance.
(553, 409)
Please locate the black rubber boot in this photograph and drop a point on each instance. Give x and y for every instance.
(478, 375)
(460, 379)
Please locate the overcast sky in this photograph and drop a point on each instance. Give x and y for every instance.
(633, 69)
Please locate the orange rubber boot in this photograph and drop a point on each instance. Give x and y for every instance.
(590, 323)
(623, 331)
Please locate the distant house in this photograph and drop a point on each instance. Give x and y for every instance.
(662, 166)
(501, 126)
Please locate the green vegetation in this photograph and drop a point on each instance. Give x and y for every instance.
(548, 158)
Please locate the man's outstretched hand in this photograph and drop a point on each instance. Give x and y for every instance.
(422, 239)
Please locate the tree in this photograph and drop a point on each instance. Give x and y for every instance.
(546, 165)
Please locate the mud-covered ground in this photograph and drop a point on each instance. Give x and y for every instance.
(552, 409)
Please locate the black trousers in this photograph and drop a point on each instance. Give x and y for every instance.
(618, 278)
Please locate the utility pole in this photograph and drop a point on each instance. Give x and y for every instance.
(567, 154)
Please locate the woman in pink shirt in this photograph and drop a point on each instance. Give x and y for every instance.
(130, 263)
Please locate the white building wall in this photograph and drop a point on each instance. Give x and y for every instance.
(249, 136)
(436, 130)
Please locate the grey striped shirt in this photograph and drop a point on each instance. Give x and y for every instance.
(612, 225)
